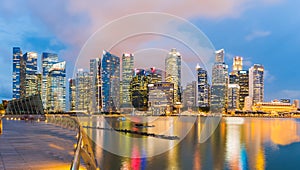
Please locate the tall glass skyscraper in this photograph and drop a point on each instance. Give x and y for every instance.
(56, 90)
(173, 72)
(96, 85)
(83, 89)
(110, 82)
(219, 84)
(48, 59)
(17, 55)
(72, 94)
(244, 87)
(127, 74)
(203, 89)
(256, 83)
(28, 74)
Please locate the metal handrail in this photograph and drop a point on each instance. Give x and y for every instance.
(83, 147)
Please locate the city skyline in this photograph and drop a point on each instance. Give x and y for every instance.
(240, 33)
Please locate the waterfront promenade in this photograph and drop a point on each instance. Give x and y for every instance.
(35, 146)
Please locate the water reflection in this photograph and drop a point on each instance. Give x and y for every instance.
(250, 143)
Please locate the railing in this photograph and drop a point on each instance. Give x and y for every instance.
(83, 147)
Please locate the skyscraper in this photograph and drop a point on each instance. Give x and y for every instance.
(110, 82)
(203, 89)
(127, 74)
(139, 90)
(96, 85)
(83, 87)
(173, 72)
(233, 96)
(256, 83)
(56, 91)
(237, 64)
(244, 87)
(48, 59)
(28, 74)
(155, 75)
(72, 94)
(190, 95)
(17, 55)
(219, 84)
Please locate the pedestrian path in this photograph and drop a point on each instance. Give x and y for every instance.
(35, 146)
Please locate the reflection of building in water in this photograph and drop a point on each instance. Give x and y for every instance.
(161, 97)
(284, 132)
(274, 107)
(218, 145)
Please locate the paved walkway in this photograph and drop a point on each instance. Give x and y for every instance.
(35, 146)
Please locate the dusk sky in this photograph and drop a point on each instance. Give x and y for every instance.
(262, 31)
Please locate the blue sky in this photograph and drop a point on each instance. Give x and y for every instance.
(261, 31)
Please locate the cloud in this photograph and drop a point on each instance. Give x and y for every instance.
(257, 34)
(292, 94)
(269, 78)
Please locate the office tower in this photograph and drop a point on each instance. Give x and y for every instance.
(190, 95)
(48, 59)
(203, 89)
(237, 64)
(82, 86)
(244, 87)
(219, 84)
(28, 74)
(233, 96)
(110, 82)
(17, 55)
(256, 83)
(96, 85)
(173, 72)
(160, 97)
(127, 74)
(72, 94)
(56, 91)
(155, 75)
(139, 90)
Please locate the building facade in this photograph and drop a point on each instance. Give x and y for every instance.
(29, 79)
(48, 59)
(173, 72)
(233, 97)
(96, 85)
(110, 82)
(56, 91)
(83, 89)
(127, 74)
(17, 55)
(244, 87)
(256, 83)
(189, 98)
(203, 89)
(219, 84)
(72, 94)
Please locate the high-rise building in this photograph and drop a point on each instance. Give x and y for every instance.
(256, 83)
(72, 94)
(160, 97)
(48, 59)
(83, 87)
(96, 85)
(127, 74)
(233, 96)
(219, 84)
(203, 89)
(190, 95)
(173, 72)
(110, 82)
(237, 64)
(17, 55)
(28, 74)
(244, 87)
(56, 91)
(296, 103)
(155, 75)
(139, 90)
